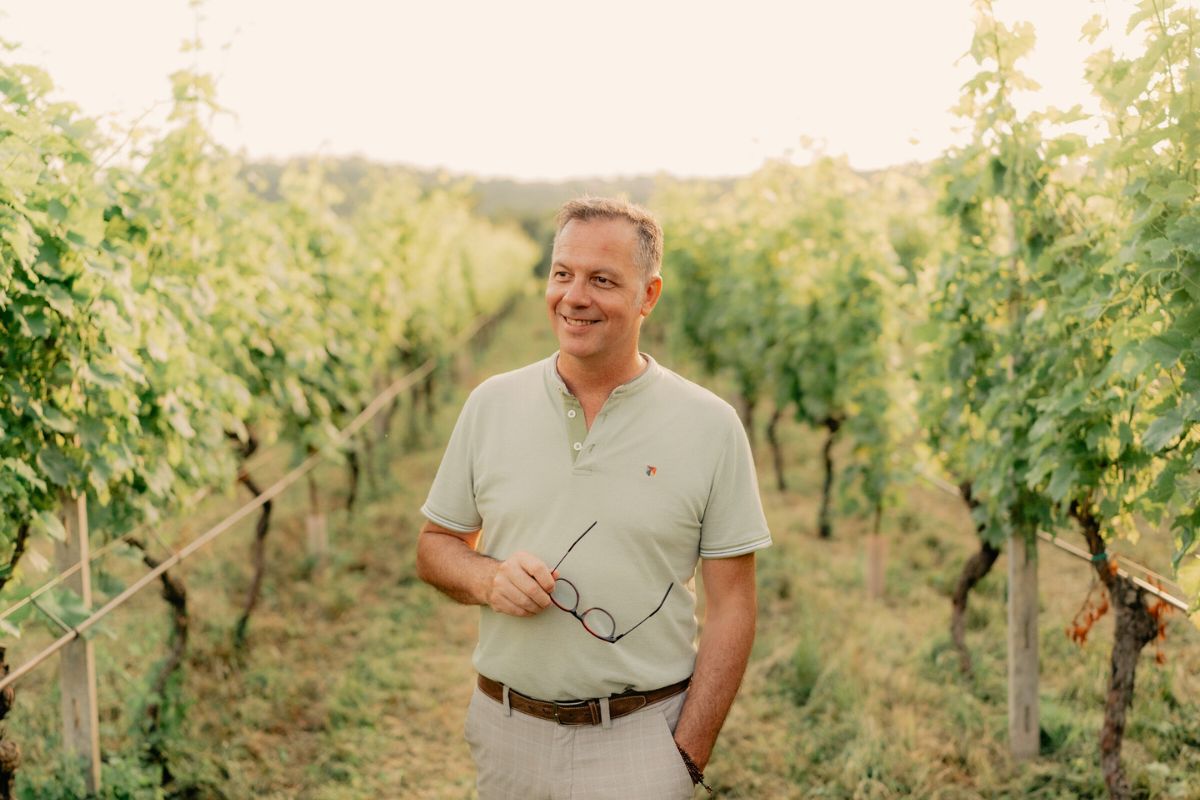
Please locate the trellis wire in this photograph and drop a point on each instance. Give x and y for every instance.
(372, 408)
(256, 463)
(949, 488)
(93, 556)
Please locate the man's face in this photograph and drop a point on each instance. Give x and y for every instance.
(596, 296)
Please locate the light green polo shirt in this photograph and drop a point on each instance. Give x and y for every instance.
(665, 473)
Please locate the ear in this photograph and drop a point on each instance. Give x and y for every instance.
(650, 295)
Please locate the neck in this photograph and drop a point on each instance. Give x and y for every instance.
(587, 378)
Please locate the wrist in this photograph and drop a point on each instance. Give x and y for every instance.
(696, 748)
(696, 773)
(487, 581)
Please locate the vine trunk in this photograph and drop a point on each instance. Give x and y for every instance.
(1136, 627)
(352, 464)
(174, 592)
(746, 403)
(824, 527)
(776, 449)
(974, 570)
(10, 751)
(19, 544)
(258, 556)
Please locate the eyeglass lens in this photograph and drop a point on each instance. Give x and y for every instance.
(597, 621)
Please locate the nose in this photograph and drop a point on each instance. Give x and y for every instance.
(577, 292)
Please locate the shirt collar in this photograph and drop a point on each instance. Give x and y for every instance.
(630, 387)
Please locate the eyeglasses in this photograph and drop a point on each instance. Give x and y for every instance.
(596, 621)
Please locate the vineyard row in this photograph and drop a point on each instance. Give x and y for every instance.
(1023, 314)
(163, 321)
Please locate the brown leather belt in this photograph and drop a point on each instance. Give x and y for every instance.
(579, 712)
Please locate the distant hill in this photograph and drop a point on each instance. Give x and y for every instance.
(498, 198)
(505, 197)
(529, 205)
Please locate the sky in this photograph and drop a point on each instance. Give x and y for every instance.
(549, 89)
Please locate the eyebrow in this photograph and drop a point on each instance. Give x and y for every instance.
(603, 269)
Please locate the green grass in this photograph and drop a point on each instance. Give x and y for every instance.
(356, 680)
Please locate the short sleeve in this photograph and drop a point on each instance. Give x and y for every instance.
(733, 523)
(451, 500)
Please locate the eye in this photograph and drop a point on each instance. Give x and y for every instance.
(603, 281)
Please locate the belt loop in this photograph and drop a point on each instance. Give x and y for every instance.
(605, 715)
(507, 702)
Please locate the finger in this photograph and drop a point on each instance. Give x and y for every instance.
(517, 587)
(517, 602)
(524, 583)
(544, 577)
(502, 603)
(537, 569)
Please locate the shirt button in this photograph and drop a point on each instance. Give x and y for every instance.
(571, 413)
(578, 446)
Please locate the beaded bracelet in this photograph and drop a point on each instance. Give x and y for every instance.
(693, 770)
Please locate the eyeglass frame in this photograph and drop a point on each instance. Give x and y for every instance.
(574, 611)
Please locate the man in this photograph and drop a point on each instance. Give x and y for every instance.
(574, 500)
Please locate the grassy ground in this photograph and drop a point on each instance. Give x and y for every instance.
(357, 676)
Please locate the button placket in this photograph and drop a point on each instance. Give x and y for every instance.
(576, 427)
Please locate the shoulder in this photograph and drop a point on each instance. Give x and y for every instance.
(520, 379)
(700, 404)
(700, 410)
(506, 387)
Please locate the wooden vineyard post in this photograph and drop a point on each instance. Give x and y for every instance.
(77, 667)
(876, 558)
(314, 524)
(1023, 723)
(382, 421)
(876, 561)
(463, 364)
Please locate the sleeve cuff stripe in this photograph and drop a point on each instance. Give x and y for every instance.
(737, 550)
(447, 523)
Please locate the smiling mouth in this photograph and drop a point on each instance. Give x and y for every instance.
(579, 323)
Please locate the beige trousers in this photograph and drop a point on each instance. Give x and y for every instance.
(519, 757)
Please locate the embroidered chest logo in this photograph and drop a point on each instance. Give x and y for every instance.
(651, 471)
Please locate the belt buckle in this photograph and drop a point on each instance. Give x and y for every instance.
(576, 704)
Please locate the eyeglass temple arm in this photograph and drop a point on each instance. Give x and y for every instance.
(572, 547)
(648, 616)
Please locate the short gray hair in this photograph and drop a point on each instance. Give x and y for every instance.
(649, 252)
